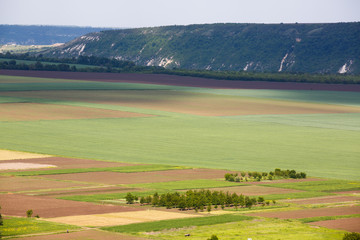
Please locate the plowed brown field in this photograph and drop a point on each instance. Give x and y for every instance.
(141, 177)
(17, 205)
(182, 80)
(14, 184)
(347, 224)
(84, 235)
(39, 111)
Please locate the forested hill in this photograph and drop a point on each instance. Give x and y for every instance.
(313, 48)
(41, 35)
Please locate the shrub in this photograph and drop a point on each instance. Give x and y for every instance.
(29, 213)
(351, 236)
(213, 237)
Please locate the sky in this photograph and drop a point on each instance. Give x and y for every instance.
(149, 13)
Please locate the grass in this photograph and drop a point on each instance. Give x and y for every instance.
(320, 186)
(325, 218)
(265, 229)
(20, 226)
(125, 169)
(177, 223)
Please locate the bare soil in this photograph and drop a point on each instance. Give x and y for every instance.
(39, 111)
(88, 191)
(17, 205)
(182, 80)
(15, 184)
(306, 213)
(84, 235)
(327, 199)
(347, 224)
(141, 177)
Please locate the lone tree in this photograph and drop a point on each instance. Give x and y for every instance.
(29, 213)
(129, 198)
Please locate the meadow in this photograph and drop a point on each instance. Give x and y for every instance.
(109, 137)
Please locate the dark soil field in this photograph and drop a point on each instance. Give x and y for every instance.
(141, 177)
(182, 81)
(14, 184)
(38, 111)
(347, 224)
(84, 235)
(17, 205)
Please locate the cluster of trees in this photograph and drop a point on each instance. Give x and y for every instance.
(198, 200)
(12, 64)
(258, 176)
(266, 76)
(95, 64)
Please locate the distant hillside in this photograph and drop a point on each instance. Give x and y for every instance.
(313, 48)
(41, 35)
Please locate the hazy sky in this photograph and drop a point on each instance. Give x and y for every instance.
(144, 13)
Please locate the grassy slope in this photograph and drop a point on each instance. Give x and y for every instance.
(177, 139)
(266, 229)
(20, 226)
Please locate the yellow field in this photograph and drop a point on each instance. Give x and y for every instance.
(11, 155)
(119, 218)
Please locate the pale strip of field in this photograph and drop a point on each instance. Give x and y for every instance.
(119, 218)
(22, 166)
(11, 155)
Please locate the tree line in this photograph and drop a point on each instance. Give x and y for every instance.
(102, 64)
(197, 200)
(258, 176)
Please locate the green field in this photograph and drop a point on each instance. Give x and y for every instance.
(273, 229)
(327, 147)
(178, 223)
(21, 226)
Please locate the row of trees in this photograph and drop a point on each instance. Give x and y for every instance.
(198, 200)
(258, 176)
(102, 64)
